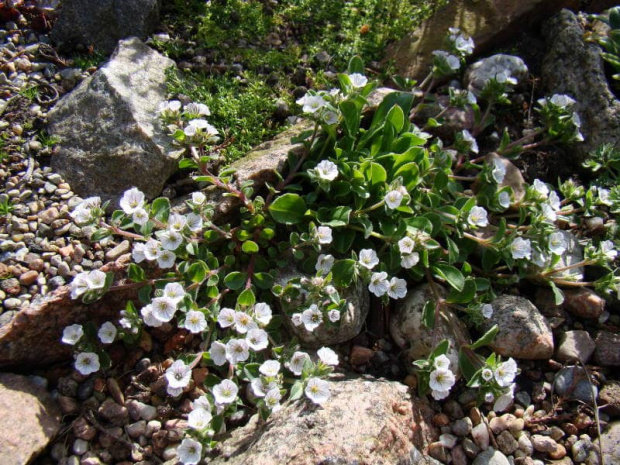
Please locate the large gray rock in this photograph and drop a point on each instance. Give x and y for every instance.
(575, 345)
(574, 67)
(365, 420)
(102, 23)
(409, 332)
(523, 332)
(111, 135)
(611, 444)
(30, 419)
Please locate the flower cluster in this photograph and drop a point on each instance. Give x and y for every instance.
(187, 124)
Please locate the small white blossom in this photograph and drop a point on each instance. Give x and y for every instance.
(478, 217)
(226, 317)
(329, 117)
(467, 137)
(608, 249)
(244, 322)
(164, 308)
(504, 401)
(257, 339)
(317, 390)
(140, 216)
(324, 234)
(554, 201)
(194, 222)
(198, 198)
(203, 403)
(464, 45)
(397, 288)
(199, 419)
(72, 334)
(409, 260)
(296, 319)
(96, 279)
(149, 318)
(225, 392)
(137, 253)
(79, 285)
(296, 364)
(333, 315)
(107, 333)
(176, 222)
(311, 317)
(368, 258)
(189, 452)
(440, 395)
(406, 245)
(541, 188)
(170, 106)
(272, 399)
(174, 291)
(197, 109)
(603, 196)
(562, 100)
(330, 290)
(270, 368)
(548, 213)
(505, 372)
(503, 199)
(327, 170)
(453, 62)
(442, 362)
(132, 200)
(170, 240)
(87, 363)
(487, 374)
(324, 263)
(327, 356)
(539, 258)
(199, 126)
(441, 380)
(218, 353)
(260, 387)
(499, 170)
(152, 249)
(311, 103)
(521, 248)
(557, 243)
(393, 199)
(487, 311)
(378, 283)
(178, 374)
(237, 350)
(262, 313)
(195, 322)
(358, 80)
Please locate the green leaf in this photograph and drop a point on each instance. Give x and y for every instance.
(397, 118)
(250, 247)
(557, 293)
(428, 314)
(135, 273)
(486, 338)
(160, 209)
(374, 173)
(468, 360)
(343, 240)
(465, 295)
(288, 208)
(263, 280)
(403, 99)
(197, 272)
(343, 272)
(440, 349)
(235, 280)
(334, 217)
(356, 65)
(246, 298)
(100, 234)
(144, 294)
(351, 115)
(450, 274)
(297, 390)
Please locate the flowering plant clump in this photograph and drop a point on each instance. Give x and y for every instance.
(372, 202)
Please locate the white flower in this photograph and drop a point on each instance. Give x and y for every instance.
(406, 245)
(194, 222)
(226, 317)
(487, 374)
(79, 285)
(171, 106)
(393, 199)
(324, 234)
(503, 199)
(203, 403)
(178, 374)
(368, 258)
(603, 196)
(317, 390)
(499, 170)
(176, 222)
(140, 216)
(296, 364)
(409, 260)
(397, 288)
(504, 401)
(170, 240)
(87, 363)
(467, 137)
(164, 308)
(554, 201)
(562, 100)
(166, 259)
(311, 103)
(149, 318)
(505, 372)
(218, 353)
(504, 77)
(311, 317)
(237, 350)
(272, 399)
(225, 392)
(330, 290)
(557, 243)
(327, 170)
(195, 322)
(270, 368)
(333, 315)
(72, 334)
(453, 62)
(95, 279)
(607, 248)
(489, 397)
(262, 313)
(477, 217)
(152, 249)
(442, 362)
(440, 395)
(541, 188)
(132, 200)
(260, 387)
(257, 339)
(327, 356)
(521, 248)
(324, 263)
(329, 117)
(441, 380)
(198, 126)
(198, 198)
(464, 45)
(358, 80)
(548, 213)
(174, 291)
(487, 311)
(296, 319)
(243, 322)
(189, 452)
(199, 419)
(107, 333)
(539, 258)
(378, 283)
(199, 109)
